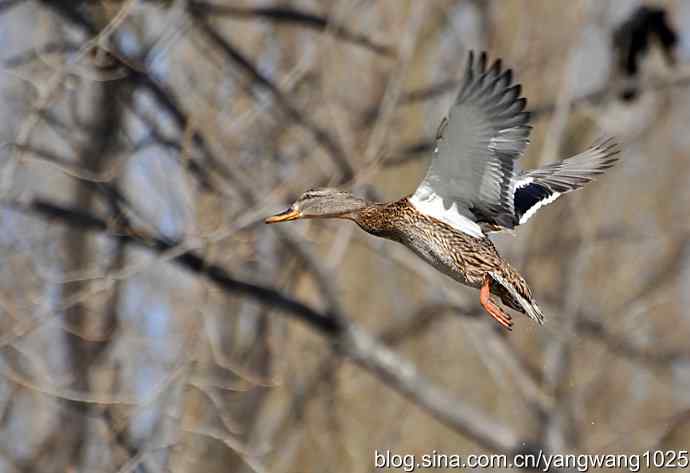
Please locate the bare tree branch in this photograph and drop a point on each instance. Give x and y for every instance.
(627, 349)
(291, 15)
(349, 340)
(322, 137)
(403, 376)
(8, 4)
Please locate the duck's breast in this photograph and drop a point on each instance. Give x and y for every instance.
(442, 251)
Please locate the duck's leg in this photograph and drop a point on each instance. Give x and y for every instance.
(492, 309)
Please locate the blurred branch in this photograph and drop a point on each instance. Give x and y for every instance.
(349, 340)
(403, 376)
(419, 321)
(410, 153)
(35, 53)
(498, 347)
(8, 4)
(417, 95)
(138, 73)
(624, 347)
(322, 137)
(612, 90)
(664, 274)
(139, 76)
(70, 11)
(60, 162)
(247, 191)
(75, 217)
(676, 430)
(291, 15)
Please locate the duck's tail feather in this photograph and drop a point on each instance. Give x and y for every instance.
(518, 298)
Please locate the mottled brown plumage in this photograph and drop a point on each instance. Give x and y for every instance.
(466, 259)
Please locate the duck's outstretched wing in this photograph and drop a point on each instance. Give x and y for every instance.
(538, 187)
(472, 173)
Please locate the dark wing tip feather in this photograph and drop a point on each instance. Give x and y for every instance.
(494, 90)
(517, 87)
(482, 62)
(495, 68)
(507, 78)
(468, 78)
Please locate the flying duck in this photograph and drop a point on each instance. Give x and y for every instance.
(472, 187)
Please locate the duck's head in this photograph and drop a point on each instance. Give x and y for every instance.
(320, 203)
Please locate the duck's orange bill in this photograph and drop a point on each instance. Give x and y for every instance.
(286, 216)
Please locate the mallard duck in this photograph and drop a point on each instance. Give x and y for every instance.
(472, 188)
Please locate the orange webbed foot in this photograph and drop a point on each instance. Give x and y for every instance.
(492, 309)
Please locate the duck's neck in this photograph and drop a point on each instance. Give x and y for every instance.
(373, 218)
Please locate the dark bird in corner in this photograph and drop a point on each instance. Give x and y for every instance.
(472, 187)
(632, 40)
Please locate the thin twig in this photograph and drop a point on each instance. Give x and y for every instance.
(291, 15)
(320, 135)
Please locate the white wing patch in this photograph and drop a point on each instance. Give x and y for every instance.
(523, 182)
(432, 205)
(527, 215)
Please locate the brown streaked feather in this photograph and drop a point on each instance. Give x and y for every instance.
(463, 257)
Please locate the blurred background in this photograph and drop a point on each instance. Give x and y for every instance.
(143, 142)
